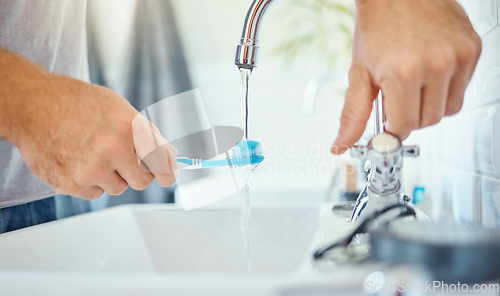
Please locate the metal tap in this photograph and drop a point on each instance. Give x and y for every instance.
(384, 154)
(247, 51)
(384, 160)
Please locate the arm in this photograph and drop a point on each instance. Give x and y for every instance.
(420, 53)
(75, 136)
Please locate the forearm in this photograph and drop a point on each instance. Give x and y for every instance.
(75, 136)
(20, 82)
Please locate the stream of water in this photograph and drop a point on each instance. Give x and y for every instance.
(245, 92)
(246, 212)
(246, 215)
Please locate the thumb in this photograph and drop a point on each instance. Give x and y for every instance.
(357, 108)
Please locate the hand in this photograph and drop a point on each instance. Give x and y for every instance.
(76, 137)
(420, 53)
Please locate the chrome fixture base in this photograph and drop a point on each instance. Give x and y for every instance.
(384, 155)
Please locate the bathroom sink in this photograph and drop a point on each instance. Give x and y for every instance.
(162, 238)
(166, 239)
(160, 249)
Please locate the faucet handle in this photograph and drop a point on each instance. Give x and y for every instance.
(383, 145)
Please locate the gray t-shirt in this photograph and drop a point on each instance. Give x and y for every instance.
(51, 34)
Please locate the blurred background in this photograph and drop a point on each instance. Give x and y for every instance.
(300, 41)
(149, 50)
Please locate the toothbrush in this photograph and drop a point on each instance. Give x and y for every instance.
(245, 152)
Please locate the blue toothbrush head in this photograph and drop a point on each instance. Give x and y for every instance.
(247, 152)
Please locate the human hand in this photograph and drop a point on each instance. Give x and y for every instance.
(420, 53)
(78, 138)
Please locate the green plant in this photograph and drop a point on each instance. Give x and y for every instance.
(320, 28)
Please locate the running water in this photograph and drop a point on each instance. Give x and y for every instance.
(245, 90)
(246, 215)
(246, 171)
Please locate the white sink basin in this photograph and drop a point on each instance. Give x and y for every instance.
(162, 249)
(165, 239)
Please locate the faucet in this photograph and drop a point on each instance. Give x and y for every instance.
(384, 160)
(247, 51)
(384, 152)
(384, 187)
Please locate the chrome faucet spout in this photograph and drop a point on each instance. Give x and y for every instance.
(247, 51)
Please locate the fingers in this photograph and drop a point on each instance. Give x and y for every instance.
(434, 101)
(162, 163)
(130, 171)
(401, 106)
(456, 92)
(114, 184)
(164, 166)
(410, 100)
(422, 70)
(89, 193)
(155, 154)
(468, 58)
(146, 135)
(357, 109)
(157, 159)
